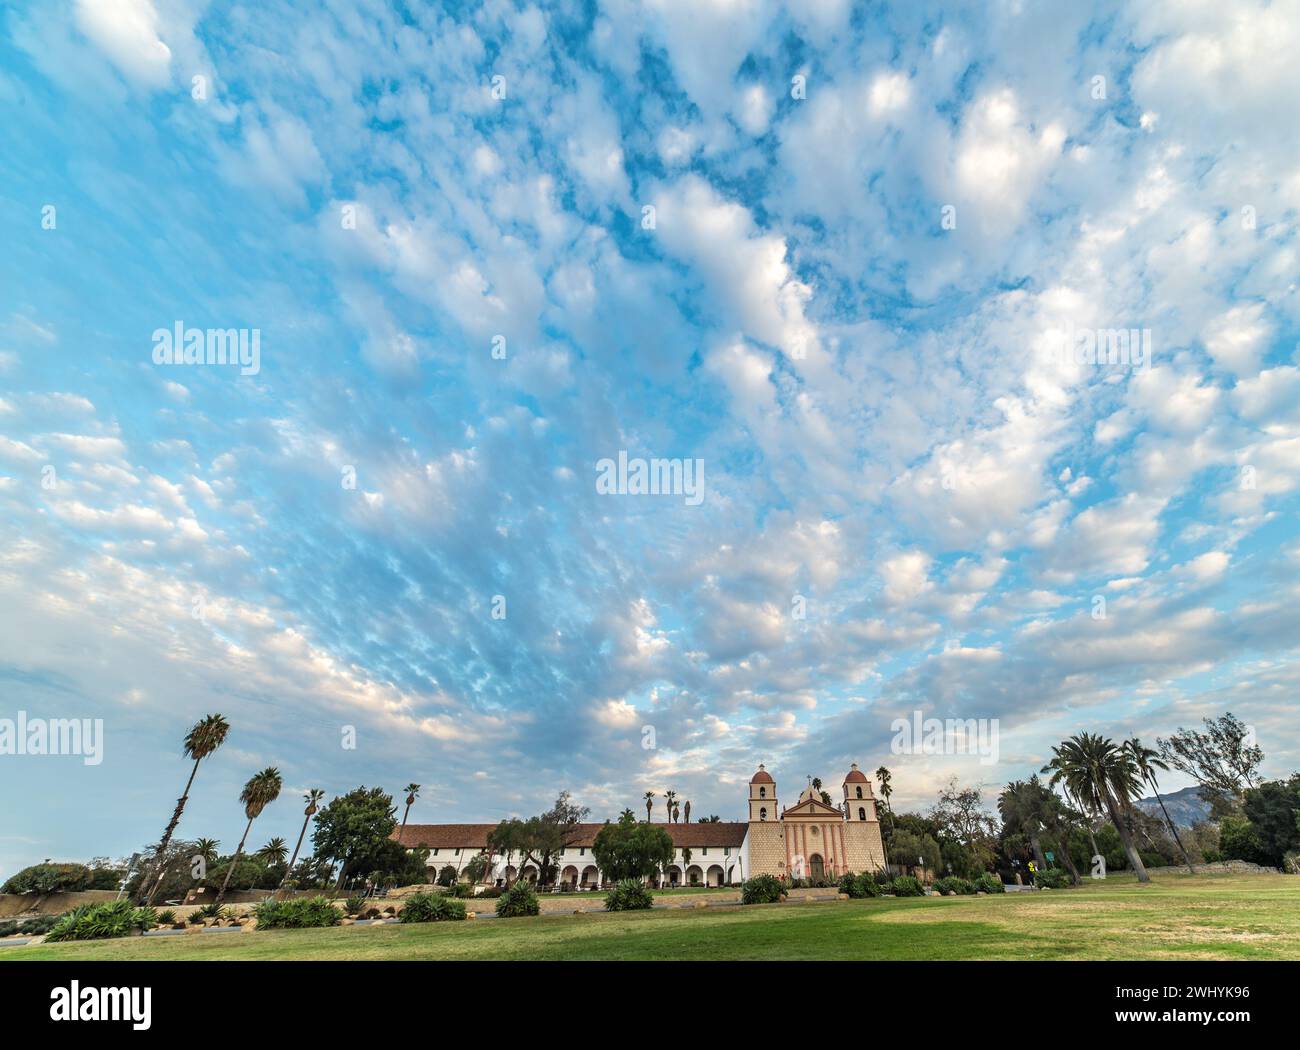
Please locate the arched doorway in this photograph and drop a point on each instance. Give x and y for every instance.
(530, 875)
(694, 876)
(714, 875)
(589, 877)
(569, 878)
(816, 869)
(674, 875)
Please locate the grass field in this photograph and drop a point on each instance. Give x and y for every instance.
(1176, 917)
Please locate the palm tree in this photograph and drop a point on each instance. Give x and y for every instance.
(311, 798)
(669, 798)
(687, 811)
(883, 775)
(261, 790)
(274, 851)
(412, 793)
(1059, 821)
(1147, 762)
(677, 812)
(204, 737)
(649, 804)
(1021, 806)
(207, 849)
(1095, 769)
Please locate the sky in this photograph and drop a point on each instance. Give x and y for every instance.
(824, 257)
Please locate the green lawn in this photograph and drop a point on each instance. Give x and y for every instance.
(1176, 917)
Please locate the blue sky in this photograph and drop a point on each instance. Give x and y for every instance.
(825, 250)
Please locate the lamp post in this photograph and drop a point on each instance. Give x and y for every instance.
(922, 860)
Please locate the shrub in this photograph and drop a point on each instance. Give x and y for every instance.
(354, 904)
(212, 910)
(301, 913)
(629, 895)
(1052, 879)
(867, 885)
(446, 876)
(490, 891)
(848, 884)
(432, 907)
(955, 884)
(49, 878)
(906, 886)
(989, 883)
(463, 890)
(518, 900)
(97, 921)
(761, 889)
(167, 917)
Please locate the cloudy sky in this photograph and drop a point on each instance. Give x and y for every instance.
(831, 255)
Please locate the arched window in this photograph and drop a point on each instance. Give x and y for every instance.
(762, 813)
(762, 792)
(859, 792)
(862, 813)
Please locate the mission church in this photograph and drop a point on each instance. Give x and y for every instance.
(809, 840)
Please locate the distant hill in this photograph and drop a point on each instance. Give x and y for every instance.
(1186, 807)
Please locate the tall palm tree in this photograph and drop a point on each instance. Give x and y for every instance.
(1147, 762)
(261, 790)
(274, 851)
(669, 800)
(649, 804)
(1095, 769)
(687, 811)
(311, 798)
(204, 737)
(886, 790)
(207, 849)
(1059, 821)
(412, 793)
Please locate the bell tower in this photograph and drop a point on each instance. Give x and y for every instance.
(762, 797)
(859, 803)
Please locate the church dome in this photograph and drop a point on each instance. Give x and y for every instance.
(762, 776)
(856, 776)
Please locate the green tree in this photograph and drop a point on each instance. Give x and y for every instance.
(1273, 809)
(909, 848)
(261, 790)
(1223, 759)
(1240, 840)
(204, 737)
(629, 850)
(1147, 762)
(1021, 806)
(353, 828)
(1095, 769)
(649, 804)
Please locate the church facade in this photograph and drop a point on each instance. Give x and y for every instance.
(809, 840)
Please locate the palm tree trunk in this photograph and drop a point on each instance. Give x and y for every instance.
(230, 869)
(404, 816)
(167, 835)
(1038, 851)
(1064, 847)
(301, 835)
(1134, 860)
(1173, 830)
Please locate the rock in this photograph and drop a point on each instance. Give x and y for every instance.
(980, 893)
(701, 904)
(950, 893)
(841, 896)
(370, 913)
(471, 915)
(390, 910)
(579, 911)
(345, 921)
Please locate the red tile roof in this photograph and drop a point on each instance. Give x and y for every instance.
(474, 836)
